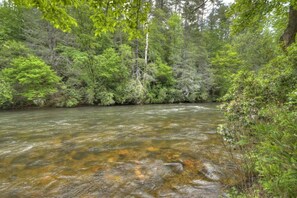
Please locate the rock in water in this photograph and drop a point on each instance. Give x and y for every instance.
(176, 167)
(211, 172)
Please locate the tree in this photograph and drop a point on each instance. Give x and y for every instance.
(255, 48)
(216, 31)
(41, 37)
(225, 64)
(158, 45)
(11, 24)
(109, 69)
(252, 13)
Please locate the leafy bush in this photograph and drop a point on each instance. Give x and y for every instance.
(31, 78)
(276, 153)
(262, 122)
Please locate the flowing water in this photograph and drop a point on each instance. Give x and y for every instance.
(120, 151)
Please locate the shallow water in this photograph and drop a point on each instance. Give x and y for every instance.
(120, 151)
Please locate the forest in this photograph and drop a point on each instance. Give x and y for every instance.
(77, 53)
(171, 58)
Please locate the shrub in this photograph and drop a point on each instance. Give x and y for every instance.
(31, 78)
(262, 122)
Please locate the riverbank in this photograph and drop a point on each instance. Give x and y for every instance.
(34, 107)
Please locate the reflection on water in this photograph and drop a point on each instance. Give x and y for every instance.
(121, 151)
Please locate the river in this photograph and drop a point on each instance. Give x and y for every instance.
(120, 151)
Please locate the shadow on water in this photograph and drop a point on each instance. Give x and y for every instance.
(124, 151)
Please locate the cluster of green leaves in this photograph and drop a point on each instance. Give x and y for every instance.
(29, 78)
(106, 15)
(254, 14)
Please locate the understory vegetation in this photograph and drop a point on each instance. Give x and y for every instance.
(244, 55)
(262, 124)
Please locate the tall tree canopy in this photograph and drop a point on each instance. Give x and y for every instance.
(251, 13)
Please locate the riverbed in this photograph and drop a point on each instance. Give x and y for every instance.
(120, 151)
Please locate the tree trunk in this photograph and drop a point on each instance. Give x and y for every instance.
(288, 36)
(145, 53)
(146, 47)
(136, 67)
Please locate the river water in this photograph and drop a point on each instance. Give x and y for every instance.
(121, 151)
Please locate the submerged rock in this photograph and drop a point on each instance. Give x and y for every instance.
(211, 172)
(176, 167)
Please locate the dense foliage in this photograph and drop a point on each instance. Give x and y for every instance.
(261, 104)
(262, 122)
(158, 65)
